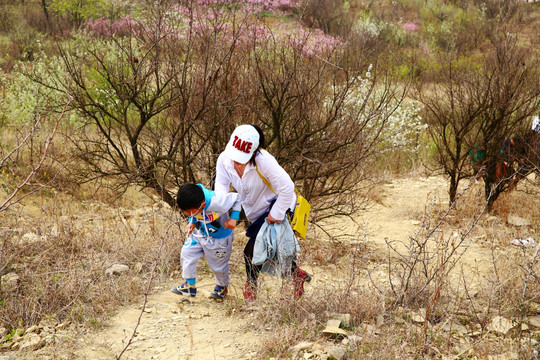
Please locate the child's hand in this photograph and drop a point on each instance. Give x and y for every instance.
(230, 224)
(189, 228)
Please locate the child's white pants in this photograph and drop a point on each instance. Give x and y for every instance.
(218, 254)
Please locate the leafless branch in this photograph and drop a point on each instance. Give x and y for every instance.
(9, 201)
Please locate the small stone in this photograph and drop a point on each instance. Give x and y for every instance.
(61, 326)
(518, 221)
(30, 342)
(453, 327)
(117, 269)
(334, 323)
(336, 332)
(48, 330)
(32, 238)
(32, 329)
(500, 325)
(337, 352)
(9, 282)
(301, 346)
(344, 318)
(417, 318)
(534, 321)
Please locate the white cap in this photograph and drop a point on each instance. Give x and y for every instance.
(243, 143)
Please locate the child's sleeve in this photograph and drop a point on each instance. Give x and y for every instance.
(221, 203)
(192, 220)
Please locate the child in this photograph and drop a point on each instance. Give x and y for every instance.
(211, 235)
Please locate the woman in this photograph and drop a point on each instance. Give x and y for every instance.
(241, 165)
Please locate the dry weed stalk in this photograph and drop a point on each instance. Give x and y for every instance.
(10, 200)
(146, 293)
(522, 303)
(418, 268)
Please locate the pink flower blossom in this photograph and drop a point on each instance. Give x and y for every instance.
(107, 27)
(313, 42)
(410, 26)
(260, 4)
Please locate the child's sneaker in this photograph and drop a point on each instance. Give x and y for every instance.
(219, 292)
(185, 289)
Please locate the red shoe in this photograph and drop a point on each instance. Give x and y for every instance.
(299, 277)
(250, 291)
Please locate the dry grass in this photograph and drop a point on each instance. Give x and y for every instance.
(287, 321)
(62, 267)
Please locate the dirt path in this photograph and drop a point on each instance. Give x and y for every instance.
(176, 328)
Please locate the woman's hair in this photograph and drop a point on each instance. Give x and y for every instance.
(262, 144)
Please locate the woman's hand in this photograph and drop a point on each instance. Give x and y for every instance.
(230, 224)
(271, 220)
(189, 228)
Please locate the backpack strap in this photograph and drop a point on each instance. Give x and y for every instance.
(264, 180)
(268, 184)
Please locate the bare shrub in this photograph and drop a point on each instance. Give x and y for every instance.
(471, 107)
(151, 120)
(331, 16)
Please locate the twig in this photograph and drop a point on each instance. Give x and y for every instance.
(6, 204)
(21, 143)
(145, 301)
(524, 293)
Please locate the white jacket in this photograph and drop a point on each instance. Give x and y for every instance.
(255, 196)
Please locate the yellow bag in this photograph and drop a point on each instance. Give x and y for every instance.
(301, 215)
(301, 211)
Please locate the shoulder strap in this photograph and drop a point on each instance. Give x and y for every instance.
(268, 184)
(264, 180)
